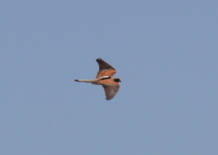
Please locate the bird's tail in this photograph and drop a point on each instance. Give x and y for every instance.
(86, 80)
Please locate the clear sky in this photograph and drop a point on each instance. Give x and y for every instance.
(165, 52)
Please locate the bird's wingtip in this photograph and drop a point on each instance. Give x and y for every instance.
(98, 59)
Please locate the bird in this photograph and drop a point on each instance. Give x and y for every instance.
(105, 78)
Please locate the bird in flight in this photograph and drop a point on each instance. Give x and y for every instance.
(105, 78)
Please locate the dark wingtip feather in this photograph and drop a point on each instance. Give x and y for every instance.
(103, 65)
(98, 59)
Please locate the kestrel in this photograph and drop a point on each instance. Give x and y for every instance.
(105, 78)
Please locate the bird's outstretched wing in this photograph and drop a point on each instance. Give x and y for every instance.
(103, 65)
(110, 91)
(105, 69)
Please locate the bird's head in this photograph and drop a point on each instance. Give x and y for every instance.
(116, 80)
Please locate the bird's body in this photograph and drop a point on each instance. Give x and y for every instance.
(105, 78)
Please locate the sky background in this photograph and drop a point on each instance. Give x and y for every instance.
(165, 52)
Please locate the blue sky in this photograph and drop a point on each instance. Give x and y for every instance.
(165, 52)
